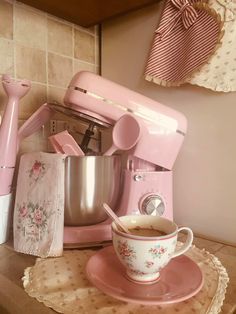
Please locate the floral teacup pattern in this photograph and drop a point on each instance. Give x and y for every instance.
(157, 251)
(128, 254)
(145, 257)
(126, 251)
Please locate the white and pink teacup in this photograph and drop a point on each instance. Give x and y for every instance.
(145, 256)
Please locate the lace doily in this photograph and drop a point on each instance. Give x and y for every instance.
(60, 283)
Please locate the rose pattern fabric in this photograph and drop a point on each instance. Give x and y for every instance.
(32, 220)
(38, 222)
(37, 170)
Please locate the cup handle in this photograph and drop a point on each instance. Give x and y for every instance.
(187, 243)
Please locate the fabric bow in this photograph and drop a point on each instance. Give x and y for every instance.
(186, 13)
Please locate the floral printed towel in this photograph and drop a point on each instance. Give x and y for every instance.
(39, 205)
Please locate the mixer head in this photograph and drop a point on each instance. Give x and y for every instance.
(101, 100)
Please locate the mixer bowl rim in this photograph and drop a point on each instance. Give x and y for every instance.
(95, 157)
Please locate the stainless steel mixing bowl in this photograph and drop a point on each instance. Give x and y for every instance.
(89, 182)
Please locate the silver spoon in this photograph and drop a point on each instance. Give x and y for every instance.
(113, 216)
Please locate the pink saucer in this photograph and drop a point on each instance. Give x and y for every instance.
(180, 280)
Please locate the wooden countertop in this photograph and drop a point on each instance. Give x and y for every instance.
(14, 300)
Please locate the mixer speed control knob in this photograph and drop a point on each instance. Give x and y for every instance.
(152, 205)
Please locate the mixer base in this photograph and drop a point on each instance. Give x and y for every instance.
(88, 236)
(94, 244)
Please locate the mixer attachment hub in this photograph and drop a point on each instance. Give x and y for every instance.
(153, 205)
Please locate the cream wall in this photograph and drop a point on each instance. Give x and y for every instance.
(205, 170)
(47, 51)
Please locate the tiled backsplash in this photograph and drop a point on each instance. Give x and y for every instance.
(46, 50)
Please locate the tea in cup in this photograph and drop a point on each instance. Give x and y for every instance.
(149, 246)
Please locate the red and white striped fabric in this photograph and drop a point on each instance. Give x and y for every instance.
(188, 34)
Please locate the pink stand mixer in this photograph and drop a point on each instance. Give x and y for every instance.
(147, 182)
(147, 178)
(15, 90)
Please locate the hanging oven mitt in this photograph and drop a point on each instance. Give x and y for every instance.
(219, 73)
(188, 34)
(38, 222)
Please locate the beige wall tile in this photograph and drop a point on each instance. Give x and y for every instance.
(6, 19)
(59, 70)
(3, 100)
(83, 66)
(60, 38)
(6, 57)
(58, 19)
(97, 51)
(30, 64)
(84, 46)
(91, 29)
(36, 96)
(26, 7)
(33, 143)
(56, 94)
(30, 27)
